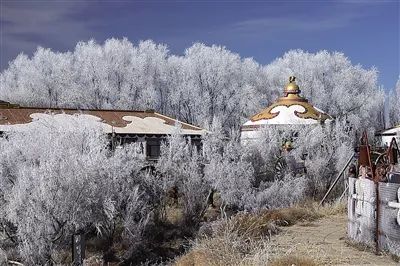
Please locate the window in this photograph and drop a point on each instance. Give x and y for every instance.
(153, 148)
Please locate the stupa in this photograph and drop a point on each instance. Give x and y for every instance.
(290, 109)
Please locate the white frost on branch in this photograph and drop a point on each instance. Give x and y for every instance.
(204, 84)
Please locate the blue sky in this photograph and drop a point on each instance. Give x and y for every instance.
(366, 31)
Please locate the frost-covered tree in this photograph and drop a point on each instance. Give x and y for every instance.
(39, 81)
(220, 84)
(266, 154)
(114, 75)
(206, 83)
(394, 105)
(228, 171)
(180, 166)
(326, 149)
(281, 193)
(264, 174)
(60, 178)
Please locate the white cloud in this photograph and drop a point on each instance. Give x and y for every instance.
(295, 23)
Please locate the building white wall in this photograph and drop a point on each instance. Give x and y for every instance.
(387, 139)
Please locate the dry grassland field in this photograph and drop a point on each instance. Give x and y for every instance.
(298, 236)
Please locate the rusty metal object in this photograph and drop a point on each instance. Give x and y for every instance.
(393, 152)
(364, 156)
(365, 161)
(381, 173)
(385, 160)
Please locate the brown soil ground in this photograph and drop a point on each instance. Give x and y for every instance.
(325, 242)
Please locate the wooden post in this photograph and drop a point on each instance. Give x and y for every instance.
(78, 249)
(376, 183)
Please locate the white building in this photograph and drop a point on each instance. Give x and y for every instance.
(290, 109)
(147, 128)
(390, 133)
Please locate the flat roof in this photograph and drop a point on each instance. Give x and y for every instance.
(119, 121)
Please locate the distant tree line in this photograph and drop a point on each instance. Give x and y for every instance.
(206, 83)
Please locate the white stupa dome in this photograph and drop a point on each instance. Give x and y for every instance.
(291, 109)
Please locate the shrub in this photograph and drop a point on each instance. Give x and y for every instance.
(70, 183)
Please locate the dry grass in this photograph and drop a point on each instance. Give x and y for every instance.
(228, 249)
(243, 239)
(329, 209)
(212, 251)
(360, 246)
(293, 260)
(240, 240)
(260, 225)
(293, 215)
(250, 226)
(174, 214)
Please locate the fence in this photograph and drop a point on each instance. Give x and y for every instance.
(374, 214)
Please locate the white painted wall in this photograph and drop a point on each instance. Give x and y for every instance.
(387, 139)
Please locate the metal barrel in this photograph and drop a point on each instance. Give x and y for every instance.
(389, 227)
(361, 209)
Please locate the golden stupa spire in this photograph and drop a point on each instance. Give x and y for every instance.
(292, 87)
(291, 97)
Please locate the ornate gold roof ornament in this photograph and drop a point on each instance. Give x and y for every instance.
(292, 87)
(291, 97)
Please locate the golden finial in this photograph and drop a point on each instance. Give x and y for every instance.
(292, 87)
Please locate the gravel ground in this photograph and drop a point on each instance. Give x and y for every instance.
(324, 241)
